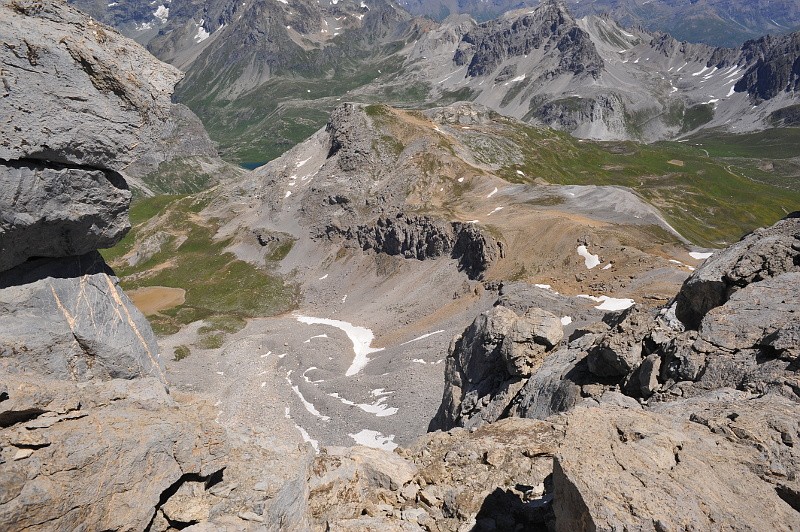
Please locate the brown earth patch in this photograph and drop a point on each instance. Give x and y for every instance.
(153, 299)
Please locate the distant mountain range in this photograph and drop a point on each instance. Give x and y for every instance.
(264, 74)
(716, 22)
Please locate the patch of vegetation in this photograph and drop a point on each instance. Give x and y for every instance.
(179, 176)
(696, 116)
(280, 251)
(375, 110)
(708, 200)
(210, 340)
(218, 286)
(512, 93)
(464, 94)
(778, 143)
(546, 201)
(181, 352)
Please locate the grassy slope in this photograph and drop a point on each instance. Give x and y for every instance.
(709, 200)
(219, 287)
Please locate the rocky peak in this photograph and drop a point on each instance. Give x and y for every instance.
(776, 69)
(549, 26)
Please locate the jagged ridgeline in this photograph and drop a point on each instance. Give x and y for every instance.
(264, 75)
(721, 23)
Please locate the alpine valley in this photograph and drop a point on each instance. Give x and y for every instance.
(309, 265)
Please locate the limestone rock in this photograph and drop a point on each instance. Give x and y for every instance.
(530, 337)
(346, 479)
(477, 384)
(54, 210)
(110, 458)
(69, 319)
(636, 470)
(424, 237)
(349, 137)
(486, 46)
(494, 476)
(760, 255)
(620, 350)
(82, 105)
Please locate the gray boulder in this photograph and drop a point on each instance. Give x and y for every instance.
(620, 351)
(69, 319)
(55, 210)
(490, 362)
(81, 106)
(529, 339)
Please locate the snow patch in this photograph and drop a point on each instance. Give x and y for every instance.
(588, 259)
(161, 13)
(609, 303)
(360, 336)
(492, 193)
(202, 34)
(316, 336)
(308, 406)
(323, 277)
(423, 336)
(307, 438)
(700, 256)
(496, 209)
(374, 439)
(566, 320)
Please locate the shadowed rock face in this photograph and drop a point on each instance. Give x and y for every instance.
(82, 100)
(55, 210)
(552, 26)
(423, 237)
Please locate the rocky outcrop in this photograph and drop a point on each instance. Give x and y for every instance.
(107, 454)
(637, 470)
(760, 255)
(486, 365)
(81, 100)
(549, 26)
(570, 113)
(738, 326)
(493, 478)
(56, 210)
(776, 69)
(78, 100)
(69, 319)
(423, 237)
(350, 137)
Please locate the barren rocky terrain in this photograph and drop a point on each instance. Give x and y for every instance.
(441, 319)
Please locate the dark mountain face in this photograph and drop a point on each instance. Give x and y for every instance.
(776, 70)
(489, 44)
